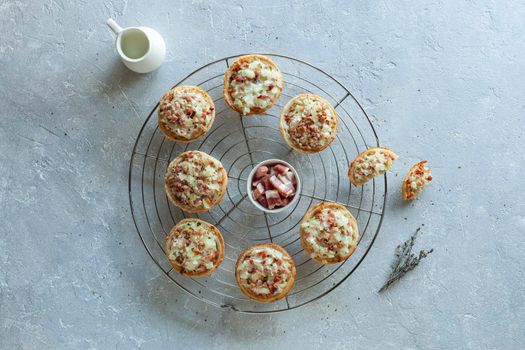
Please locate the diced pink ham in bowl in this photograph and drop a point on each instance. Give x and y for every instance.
(273, 186)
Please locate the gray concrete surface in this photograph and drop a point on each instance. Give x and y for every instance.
(443, 80)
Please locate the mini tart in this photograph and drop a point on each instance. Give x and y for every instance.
(308, 123)
(417, 178)
(265, 272)
(195, 181)
(369, 164)
(185, 113)
(329, 233)
(194, 247)
(252, 84)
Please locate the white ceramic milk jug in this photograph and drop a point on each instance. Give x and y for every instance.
(141, 49)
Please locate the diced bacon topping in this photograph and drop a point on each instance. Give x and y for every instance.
(275, 182)
(259, 191)
(257, 194)
(285, 190)
(261, 171)
(266, 181)
(272, 194)
(280, 168)
(274, 185)
(284, 179)
(262, 201)
(273, 199)
(260, 187)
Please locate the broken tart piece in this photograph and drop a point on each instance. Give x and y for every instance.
(369, 164)
(417, 178)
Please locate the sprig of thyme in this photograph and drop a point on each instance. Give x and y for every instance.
(405, 260)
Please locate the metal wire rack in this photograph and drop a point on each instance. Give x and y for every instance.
(240, 143)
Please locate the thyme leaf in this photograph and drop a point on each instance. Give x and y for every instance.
(405, 260)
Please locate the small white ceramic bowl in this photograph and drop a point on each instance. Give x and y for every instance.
(250, 180)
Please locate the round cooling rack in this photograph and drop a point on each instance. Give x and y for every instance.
(240, 143)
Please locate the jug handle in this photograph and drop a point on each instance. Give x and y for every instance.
(114, 26)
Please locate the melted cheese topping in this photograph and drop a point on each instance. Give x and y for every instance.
(265, 271)
(254, 85)
(195, 179)
(310, 123)
(194, 247)
(186, 113)
(372, 164)
(417, 180)
(329, 233)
